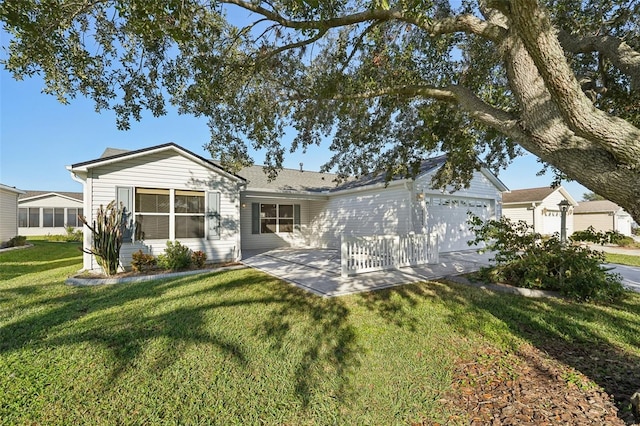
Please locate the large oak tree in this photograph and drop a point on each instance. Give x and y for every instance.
(389, 81)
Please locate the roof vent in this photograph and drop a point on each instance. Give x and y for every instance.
(301, 167)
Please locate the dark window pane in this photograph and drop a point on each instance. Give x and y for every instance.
(268, 226)
(152, 200)
(189, 204)
(72, 217)
(286, 210)
(34, 217)
(286, 225)
(58, 217)
(152, 227)
(47, 218)
(23, 220)
(268, 210)
(189, 227)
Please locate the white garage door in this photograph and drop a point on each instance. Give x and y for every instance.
(448, 217)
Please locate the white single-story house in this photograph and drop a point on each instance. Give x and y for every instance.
(603, 215)
(539, 208)
(8, 212)
(174, 194)
(48, 213)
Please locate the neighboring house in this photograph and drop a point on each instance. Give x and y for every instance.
(48, 213)
(539, 208)
(174, 194)
(8, 212)
(603, 215)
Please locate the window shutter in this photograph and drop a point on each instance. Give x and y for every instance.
(213, 214)
(124, 196)
(296, 217)
(255, 218)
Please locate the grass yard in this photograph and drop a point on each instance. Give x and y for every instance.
(240, 347)
(623, 259)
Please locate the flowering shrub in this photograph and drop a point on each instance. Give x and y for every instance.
(198, 258)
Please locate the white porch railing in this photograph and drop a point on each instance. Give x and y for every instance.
(379, 252)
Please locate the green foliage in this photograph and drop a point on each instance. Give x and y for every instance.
(107, 236)
(16, 241)
(143, 262)
(198, 258)
(592, 196)
(598, 237)
(526, 259)
(176, 257)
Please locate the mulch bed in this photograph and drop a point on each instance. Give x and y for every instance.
(528, 388)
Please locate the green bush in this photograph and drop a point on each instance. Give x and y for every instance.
(525, 259)
(176, 257)
(17, 241)
(143, 262)
(198, 258)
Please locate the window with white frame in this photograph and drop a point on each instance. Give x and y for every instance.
(271, 218)
(168, 214)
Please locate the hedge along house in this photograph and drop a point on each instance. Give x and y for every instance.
(307, 209)
(169, 193)
(174, 194)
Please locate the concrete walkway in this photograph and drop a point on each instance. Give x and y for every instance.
(318, 270)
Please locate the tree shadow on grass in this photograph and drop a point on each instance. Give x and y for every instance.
(126, 319)
(571, 333)
(321, 327)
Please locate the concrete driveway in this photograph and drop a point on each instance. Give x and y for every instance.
(318, 270)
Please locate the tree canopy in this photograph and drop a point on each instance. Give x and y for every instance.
(388, 81)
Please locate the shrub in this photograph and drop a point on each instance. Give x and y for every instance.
(143, 262)
(107, 236)
(73, 234)
(17, 241)
(198, 258)
(523, 258)
(176, 257)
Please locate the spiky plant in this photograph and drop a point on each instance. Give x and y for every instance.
(107, 236)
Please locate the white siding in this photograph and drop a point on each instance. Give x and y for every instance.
(368, 212)
(49, 201)
(551, 217)
(8, 215)
(169, 170)
(250, 241)
(450, 221)
(519, 212)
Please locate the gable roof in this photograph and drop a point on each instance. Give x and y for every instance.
(113, 155)
(598, 206)
(534, 195)
(28, 195)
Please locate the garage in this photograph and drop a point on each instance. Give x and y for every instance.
(447, 216)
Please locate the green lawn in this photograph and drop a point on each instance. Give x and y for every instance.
(623, 259)
(240, 347)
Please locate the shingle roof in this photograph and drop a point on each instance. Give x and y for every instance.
(289, 180)
(598, 206)
(529, 195)
(372, 179)
(30, 194)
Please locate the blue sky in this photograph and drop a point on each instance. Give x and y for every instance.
(39, 137)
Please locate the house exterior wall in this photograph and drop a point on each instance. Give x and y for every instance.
(447, 213)
(50, 201)
(261, 241)
(521, 212)
(8, 215)
(376, 211)
(551, 217)
(167, 170)
(602, 222)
